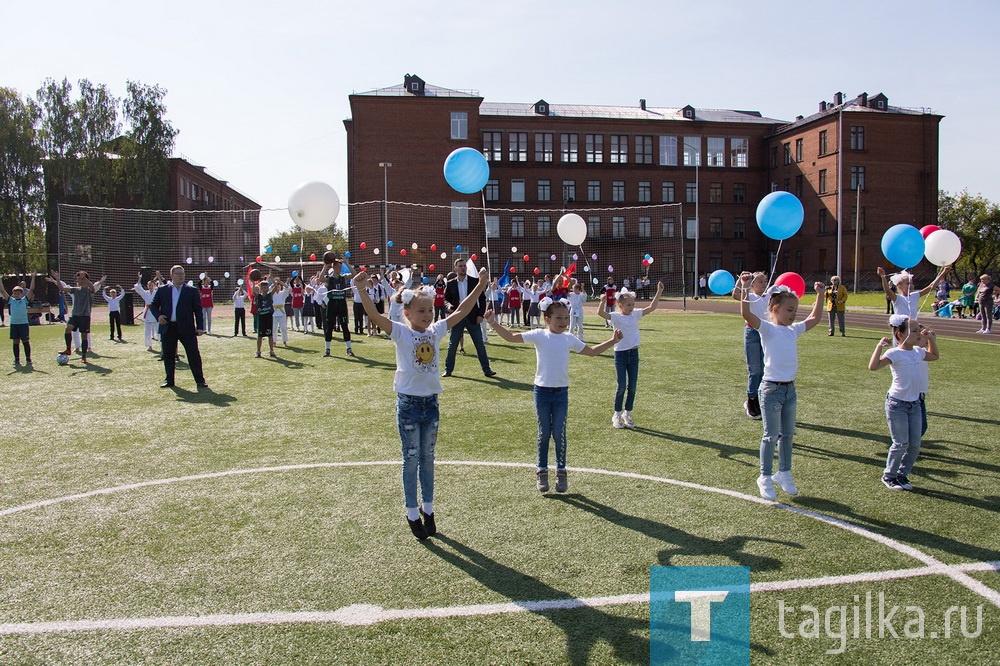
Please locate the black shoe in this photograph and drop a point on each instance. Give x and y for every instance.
(447, 373)
(326, 353)
(429, 526)
(490, 373)
(202, 384)
(167, 385)
(891, 483)
(904, 482)
(349, 352)
(753, 407)
(417, 528)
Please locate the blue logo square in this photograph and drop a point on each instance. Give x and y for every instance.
(699, 615)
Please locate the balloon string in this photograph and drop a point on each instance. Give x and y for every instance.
(486, 228)
(774, 267)
(593, 291)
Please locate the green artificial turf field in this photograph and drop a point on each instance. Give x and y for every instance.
(260, 522)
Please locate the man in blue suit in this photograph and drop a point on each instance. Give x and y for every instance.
(178, 309)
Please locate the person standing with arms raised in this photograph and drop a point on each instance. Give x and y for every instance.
(454, 293)
(338, 288)
(177, 307)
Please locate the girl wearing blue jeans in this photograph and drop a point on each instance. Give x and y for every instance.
(779, 336)
(902, 403)
(417, 384)
(552, 347)
(626, 320)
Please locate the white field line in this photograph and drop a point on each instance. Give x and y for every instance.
(957, 575)
(363, 614)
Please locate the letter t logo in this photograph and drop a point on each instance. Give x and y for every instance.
(701, 610)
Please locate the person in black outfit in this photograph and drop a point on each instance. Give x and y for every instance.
(338, 288)
(178, 309)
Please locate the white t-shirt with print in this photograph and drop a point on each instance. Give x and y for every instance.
(907, 367)
(781, 353)
(552, 354)
(417, 370)
(629, 326)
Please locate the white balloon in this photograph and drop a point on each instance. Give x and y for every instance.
(277, 259)
(572, 229)
(650, 261)
(513, 249)
(329, 246)
(314, 206)
(943, 247)
(201, 277)
(485, 250)
(240, 282)
(414, 246)
(211, 259)
(226, 274)
(375, 250)
(444, 255)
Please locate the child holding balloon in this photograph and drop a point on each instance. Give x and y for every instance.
(753, 285)
(626, 320)
(905, 300)
(779, 337)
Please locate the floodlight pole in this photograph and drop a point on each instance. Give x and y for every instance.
(697, 219)
(385, 207)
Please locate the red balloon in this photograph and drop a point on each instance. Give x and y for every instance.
(474, 257)
(260, 259)
(645, 262)
(434, 247)
(537, 271)
(431, 267)
(513, 270)
(312, 257)
(364, 245)
(526, 257)
(928, 230)
(793, 281)
(402, 252)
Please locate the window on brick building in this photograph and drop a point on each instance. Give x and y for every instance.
(618, 227)
(691, 229)
(568, 191)
(798, 186)
(459, 214)
(739, 193)
(822, 181)
(739, 152)
(668, 151)
(714, 262)
(857, 137)
(492, 190)
(517, 226)
(569, 148)
(492, 148)
(517, 190)
(619, 149)
(594, 147)
(822, 142)
(667, 190)
(788, 185)
(517, 147)
(716, 151)
(645, 191)
(798, 150)
(715, 227)
(493, 226)
(618, 191)
(543, 147)
(669, 227)
(593, 227)
(643, 150)
(691, 193)
(739, 262)
(739, 227)
(715, 193)
(645, 227)
(821, 222)
(854, 218)
(774, 157)
(857, 177)
(544, 227)
(459, 125)
(668, 262)
(692, 151)
(593, 190)
(787, 152)
(544, 190)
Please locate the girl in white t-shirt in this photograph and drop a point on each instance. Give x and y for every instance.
(626, 320)
(779, 336)
(417, 384)
(908, 363)
(906, 299)
(577, 298)
(552, 348)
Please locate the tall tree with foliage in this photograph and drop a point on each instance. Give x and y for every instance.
(96, 121)
(309, 242)
(148, 144)
(976, 220)
(59, 133)
(20, 183)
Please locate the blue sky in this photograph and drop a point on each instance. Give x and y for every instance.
(259, 90)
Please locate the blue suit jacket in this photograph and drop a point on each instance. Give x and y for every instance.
(189, 316)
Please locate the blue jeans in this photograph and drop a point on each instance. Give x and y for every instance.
(904, 427)
(417, 418)
(476, 333)
(777, 406)
(551, 405)
(754, 352)
(627, 369)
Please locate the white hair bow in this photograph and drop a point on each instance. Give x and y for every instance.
(777, 289)
(544, 304)
(899, 277)
(897, 320)
(626, 292)
(408, 294)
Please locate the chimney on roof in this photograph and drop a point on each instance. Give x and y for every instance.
(863, 99)
(838, 98)
(822, 107)
(642, 104)
(798, 118)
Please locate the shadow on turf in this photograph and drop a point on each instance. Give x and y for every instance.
(684, 543)
(584, 627)
(737, 454)
(962, 417)
(205, 396)
(902, 533)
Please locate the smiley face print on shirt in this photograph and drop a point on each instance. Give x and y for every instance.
(424, 356)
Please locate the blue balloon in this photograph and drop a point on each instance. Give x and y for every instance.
(721, 282)
(295, 248)
(648, 257)
(903, 245)
(345, 269)
(295, 273)
(347, 254)
(389, 243)
(779, 215)
(458, 248)
(426, 280)
(267, 249)
(466, 170)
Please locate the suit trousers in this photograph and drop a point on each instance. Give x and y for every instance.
(168, 345)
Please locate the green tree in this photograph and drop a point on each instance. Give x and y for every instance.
(309, 242)
(96, 122)
(148, 144)
(976, 220)
(20, 184)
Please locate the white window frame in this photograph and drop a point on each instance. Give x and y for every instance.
(459, 125)
(459, 214)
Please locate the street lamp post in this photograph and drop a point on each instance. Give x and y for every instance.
(385, 206)
(697, 219)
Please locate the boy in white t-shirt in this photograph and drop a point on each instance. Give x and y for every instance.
(779, 336)
(626, 320)
(417, 384)
(552, 348)
(577, 298)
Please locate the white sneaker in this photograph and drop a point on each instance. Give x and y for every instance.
(766, 487)
(784, 481)
(627, 420)
(616, 421)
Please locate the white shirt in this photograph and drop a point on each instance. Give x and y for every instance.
(280, 296)
(463, 288)
(552, 355)
(629, 326)
(238, 299)
(907, 367)
(781, 354)
(176, 291)
(319, 294)
(758, 305)
(576, 302)
(417, 370)
(114, 304)
(907, 305)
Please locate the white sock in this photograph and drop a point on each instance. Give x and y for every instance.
(348, 343)
(618, 414)
(412, 514)
(428, 508)
(328, 346)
